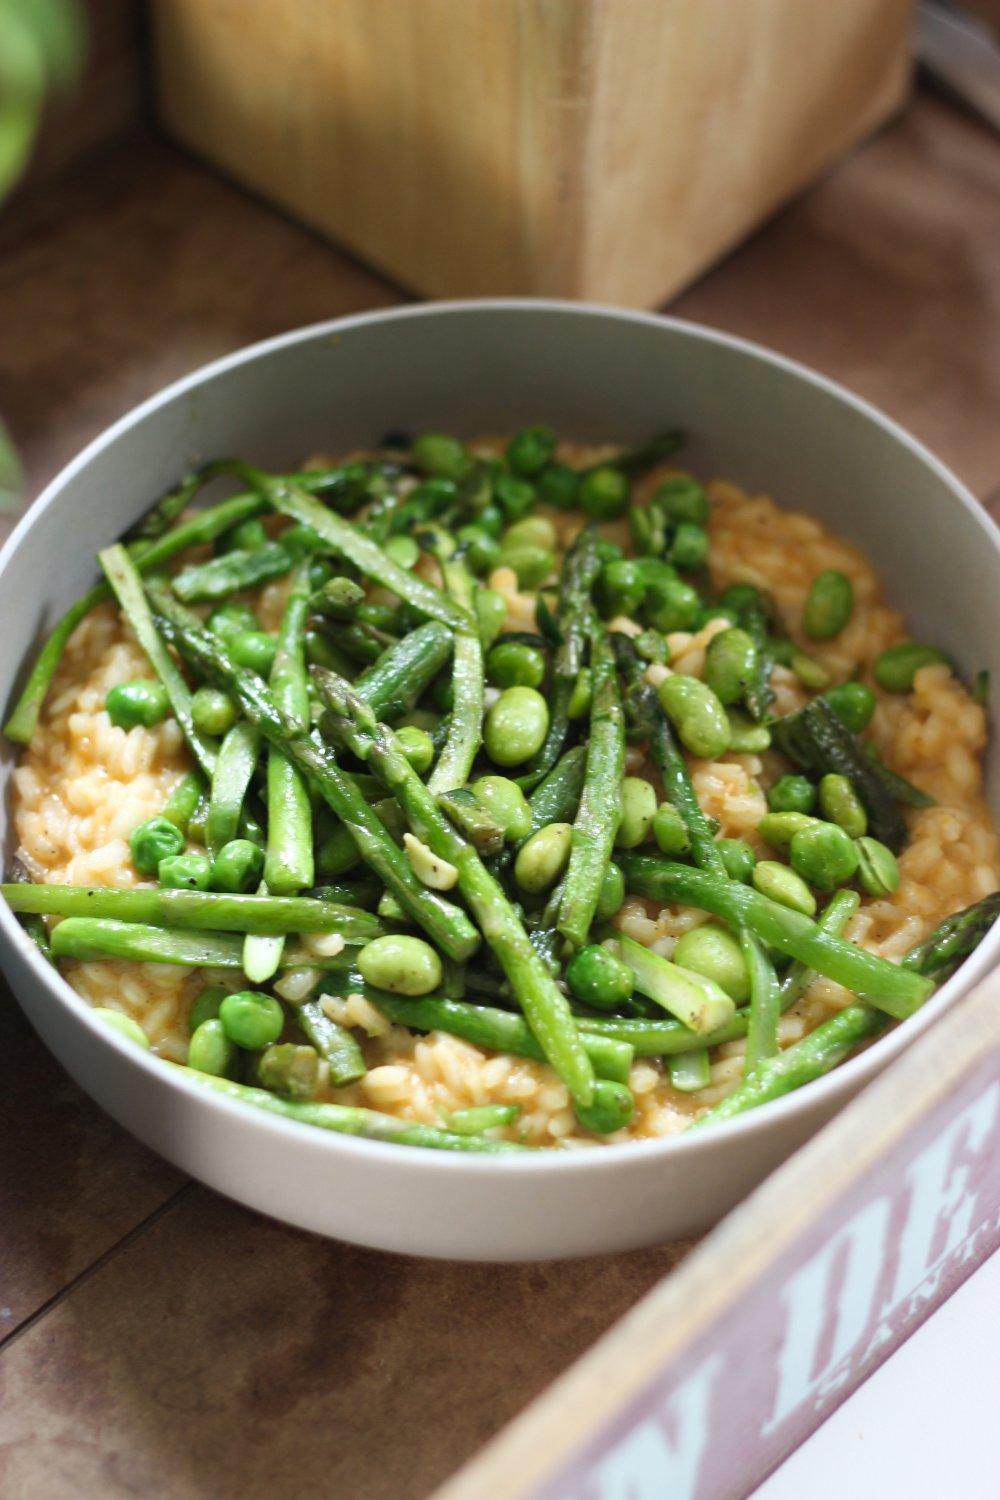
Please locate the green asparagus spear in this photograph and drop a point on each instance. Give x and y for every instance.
(597, 817)
(32, 924)
(160, 517)
(220, 577)
(236, 763)
(481, 1118)
(643, 456)
(557, 797)
(807, 1060)
(473, 820)
(334, 1043)
(540, 998)
(895, 990)
(690, 1071)
(403, 673)
(574, 616)
(148, 558)
(123, 578)
(483, 1026)
(288, 862)
(446, 924)
(955, 938)
(291, 499)
(181, 805)
(203, 910)
(352, 1121)
(97, 937)
(468, 681)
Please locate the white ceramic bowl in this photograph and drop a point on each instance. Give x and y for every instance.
(472, 367)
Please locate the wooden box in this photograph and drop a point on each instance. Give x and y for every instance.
(603, 149)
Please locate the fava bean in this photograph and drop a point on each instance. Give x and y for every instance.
(504, 800)
(440, 454)
(611, 894)
(515, 664)
(779, 883)
(482, 551)
(400, 964)
(543, 857)
(417, 745)
(670, 831)
(738, 859)
(533, 531)
(829, 605)
(810, 672)
(780, 828)
(205, 1006)
(638, 809)
(579, 702)
(210, 1049)
(878, 870)
(123, 1024)
(531, 564)
(516, 726)
(696, 714)
(824, 855)
(840, 804)
(730, 664)
(896, 668)
(491, 611)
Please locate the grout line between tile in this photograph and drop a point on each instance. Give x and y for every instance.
(97, 1265)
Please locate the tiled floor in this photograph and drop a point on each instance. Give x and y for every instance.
(159, 1340)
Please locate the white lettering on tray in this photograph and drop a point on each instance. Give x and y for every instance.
(648, 1465)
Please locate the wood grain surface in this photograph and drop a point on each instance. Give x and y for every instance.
(161, 1341)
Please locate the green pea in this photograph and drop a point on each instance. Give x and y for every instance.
(696, 714)
(533, 531)
(232, 619)
(781, 827)
(809, 672)
(682, 499)
(840, 804)
(689, 548)
(213, 711)
(440, 454)
(237, 867)
(738, 859)
(185, 872)
(531, 564)
(492, 520)
(829, 605)
(600, 978)
(741, 599)
(716, 954)
(254, 649)
(142, 701)
(620, 588)
(530, 450)
(506, 802)
(611, 895)
(611, 1108)
(604, 493)
(400, 964)
(745, 736)
(155, 839)
(779, 883)
(655, 570)
(579, 700)
(824, 855)
(515, 497)
(637, 801)
(559, 485)
(670, 830)
(210, 1050)
(251, 1019)
(515, 664)
(543, 857)
(792, 794)
(205, 1006)
(482, 551)
(896, 668)
(853, 703)
(124, 1025)
(516, 726)
(878, 870)
(301, 541)
(403, 550)
(417, 745)
(671, 605)
(491, 612)
(730, 664)
(247, 536)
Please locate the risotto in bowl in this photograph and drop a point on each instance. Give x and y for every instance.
(535, 760)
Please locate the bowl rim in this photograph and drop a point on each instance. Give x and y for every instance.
(843, 1080)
